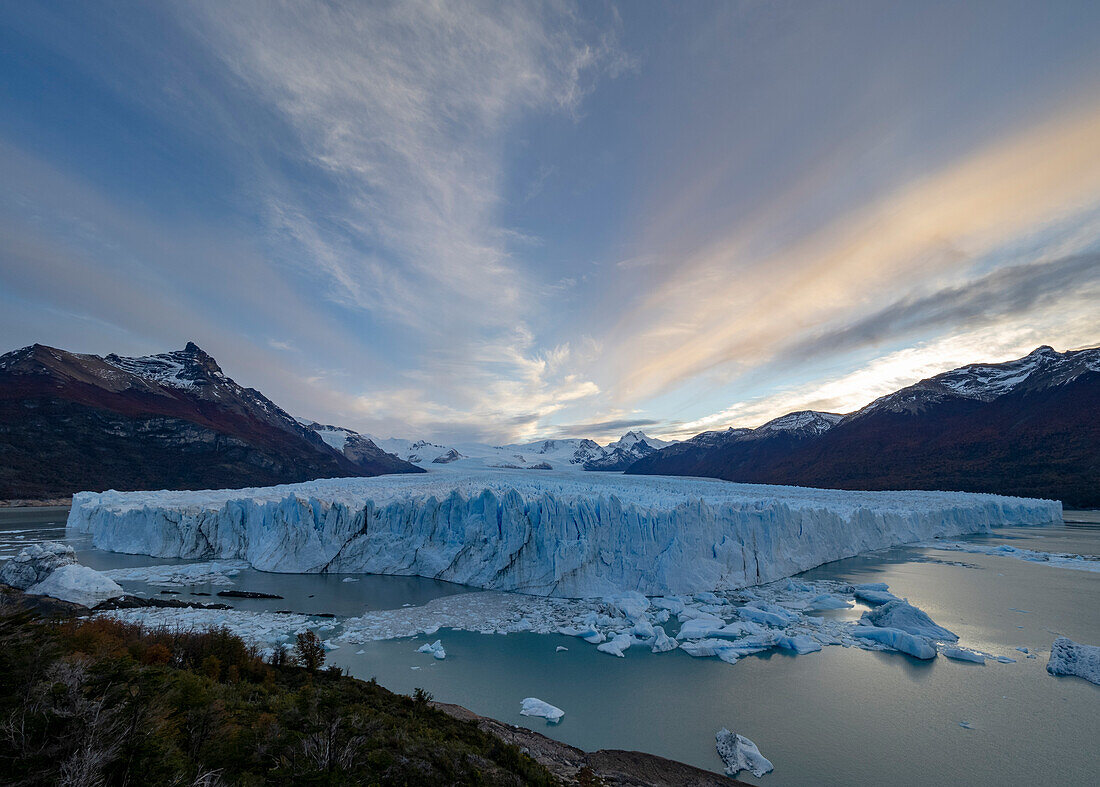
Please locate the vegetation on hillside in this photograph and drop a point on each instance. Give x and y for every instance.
(95, 701)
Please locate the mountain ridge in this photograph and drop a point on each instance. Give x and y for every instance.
(74, 422)
(1025, 427)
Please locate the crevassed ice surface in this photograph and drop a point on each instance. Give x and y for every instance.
(540, 532)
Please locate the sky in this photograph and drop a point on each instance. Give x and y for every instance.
(509, 221)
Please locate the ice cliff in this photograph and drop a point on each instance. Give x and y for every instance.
(547, 534)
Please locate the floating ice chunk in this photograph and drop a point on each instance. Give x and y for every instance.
(827, 601)
(963, 654)
(532, 706)
(643, 630)
(216, 572)
(966, 725)
(349, 579)
(1022, 649)
(1072, 658)
(1005, 659)
(897, 639)
(874, 593)
(560, 648)
(738, 754)
(78, 584)
(360, 652)
(700, 628)
(632, 604)
(436, 649)
(1059, 559)
(799, 643)
(767, 614)
(662, 642)
(704, 648)
(904, 616)
(616, 646)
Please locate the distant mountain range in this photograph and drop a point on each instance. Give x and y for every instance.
(71, 422)
(559, 454)
(1029, 427)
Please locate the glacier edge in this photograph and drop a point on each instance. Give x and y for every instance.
(553, 535)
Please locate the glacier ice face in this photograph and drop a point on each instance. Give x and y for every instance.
(548, 533)
(738, 754)
(1072, 658)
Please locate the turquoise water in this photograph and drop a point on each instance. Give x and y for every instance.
(840, 716)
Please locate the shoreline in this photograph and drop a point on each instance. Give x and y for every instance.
(613, 767)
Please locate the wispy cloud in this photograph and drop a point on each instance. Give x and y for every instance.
(722, 309)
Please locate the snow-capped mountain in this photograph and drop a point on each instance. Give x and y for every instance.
(804, 423)
(625, 451)
(1027, 427)
(1043, 368)
(71, 422)
(554, 454)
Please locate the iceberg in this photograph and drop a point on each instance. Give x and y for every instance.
(78, 584)
(50, 569)
(549, 534)
(533, 706)
(914, 645)
(616, 645)
(738, 754)
(964, 654)
(902, 615)
(435, 648)
(1072, 658)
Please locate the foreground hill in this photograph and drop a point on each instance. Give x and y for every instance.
(1028, 427)
(72, 422)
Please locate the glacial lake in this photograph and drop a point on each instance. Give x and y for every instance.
(838, 716)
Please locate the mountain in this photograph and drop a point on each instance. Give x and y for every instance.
(361, 451)
(624, 452)
(72, 422)
(1027, 427)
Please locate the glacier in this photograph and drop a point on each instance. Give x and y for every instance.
(548, 534)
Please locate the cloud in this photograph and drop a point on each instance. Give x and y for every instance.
(1012, 291)
(720, 308)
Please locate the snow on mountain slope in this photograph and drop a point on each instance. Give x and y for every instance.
(802, 422)
(559, 454)
(1043, 368)
(547, 533)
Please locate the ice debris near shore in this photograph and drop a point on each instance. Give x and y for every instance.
(50, 569)
(551, 534)
(435, 648)
(738, 754)
(728, 626)
(1072, 658)
(218, 572)
(1058, 559)
(533, 706)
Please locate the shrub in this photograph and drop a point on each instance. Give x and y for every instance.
(310, 651)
